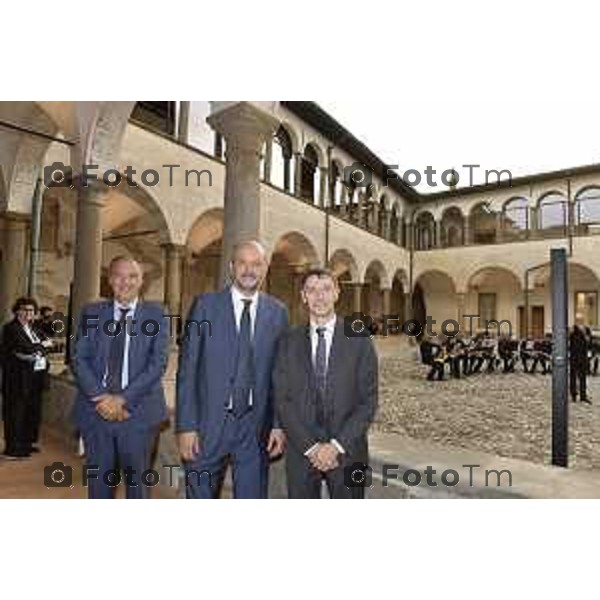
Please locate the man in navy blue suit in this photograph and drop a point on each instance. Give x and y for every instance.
(224, 393)
(119, 359)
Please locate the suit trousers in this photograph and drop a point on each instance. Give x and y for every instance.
(238, 441)
(578, 381)
(116, 446)
(304, 481)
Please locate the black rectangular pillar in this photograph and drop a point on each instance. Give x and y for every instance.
(560, 363)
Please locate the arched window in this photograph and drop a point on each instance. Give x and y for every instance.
(483, 224)
(553, 215)
(394, 225)
(382, 216)
(157, 115)
(281, 169)
(452, 227)
(338, 186)
(309, 183)
(424, 231)
(587, 211)
(515, 219)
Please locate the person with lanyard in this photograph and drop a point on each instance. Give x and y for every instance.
(326, 386)
(119, 358)
(25, 368)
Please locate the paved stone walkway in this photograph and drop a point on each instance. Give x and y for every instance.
(25, 478)
(504, 414)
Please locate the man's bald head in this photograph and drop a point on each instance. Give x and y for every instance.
(248, 266)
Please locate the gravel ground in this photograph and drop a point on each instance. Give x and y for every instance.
(504, 414)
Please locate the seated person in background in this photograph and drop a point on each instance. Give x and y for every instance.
(542, 355)
(489, 352)
(455, 351)
(526, 350)
(507, 349)
(439, 359)
(430, 350)
(476, 354)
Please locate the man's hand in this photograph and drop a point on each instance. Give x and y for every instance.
(276, 443)
(189, 445)
(324, 457)
(111, 407)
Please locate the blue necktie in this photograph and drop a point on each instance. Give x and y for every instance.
(116, 356)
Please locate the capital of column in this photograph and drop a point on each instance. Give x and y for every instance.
(93, 194)
(173, 250)
(244, 125)
(14, 221)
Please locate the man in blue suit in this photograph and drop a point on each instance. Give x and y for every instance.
(119, 359)
(224, 394)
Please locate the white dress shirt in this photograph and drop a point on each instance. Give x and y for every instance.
(314, 340)
(237, 299)
(117, 306)
(328, 333)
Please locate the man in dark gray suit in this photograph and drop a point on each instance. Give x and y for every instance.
(224, 393)
(326, 385)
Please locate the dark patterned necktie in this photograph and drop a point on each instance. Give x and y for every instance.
(245, 377)
(321, 360)
(116, 356)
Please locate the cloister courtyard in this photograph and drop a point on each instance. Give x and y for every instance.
(508, 415)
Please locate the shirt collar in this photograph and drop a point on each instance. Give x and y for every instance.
(238, 297)
(131, 305)
(329, 326)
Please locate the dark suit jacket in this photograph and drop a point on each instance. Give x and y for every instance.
(351, 391)
(579, 346)
(18, 372)
(207, 362)
(148, 356)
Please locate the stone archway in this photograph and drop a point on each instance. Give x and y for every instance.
(202, 264)
(292, 256)
(344, 267)
(435, 296)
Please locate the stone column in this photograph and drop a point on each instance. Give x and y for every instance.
(532, 221)
(87, 268)
(13, 268)
(357, 297)
(466, 232)
(408, 308)
(460, 303)
(499, 228)
(323, 188)
(386, 294)
(268, 158)
(438, 234)
(245, 129)
(183, 124)
(174, 256)
(298, 174)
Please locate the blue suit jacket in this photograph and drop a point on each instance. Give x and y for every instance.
(207, 362)
(148, 356)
